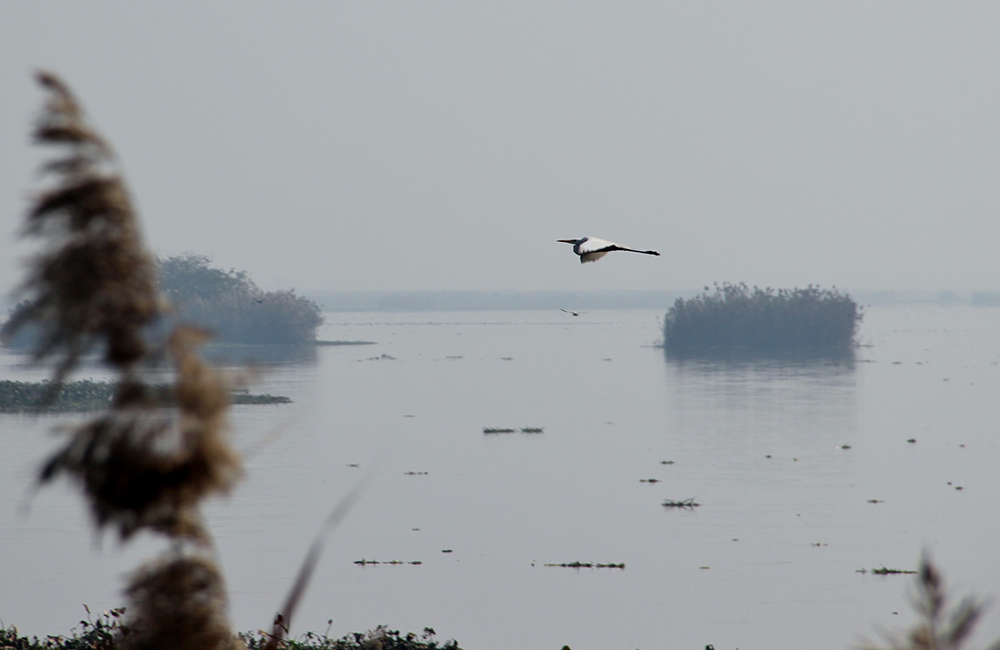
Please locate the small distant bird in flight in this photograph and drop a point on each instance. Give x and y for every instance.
(574, 313)
(591, 249)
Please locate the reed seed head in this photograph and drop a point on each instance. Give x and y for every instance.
(95, 283)
(178, 604)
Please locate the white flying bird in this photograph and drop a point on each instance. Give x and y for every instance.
(591, 249)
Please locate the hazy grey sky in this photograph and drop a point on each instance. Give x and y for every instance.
(447, 145)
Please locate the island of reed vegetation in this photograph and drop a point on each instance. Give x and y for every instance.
(735, 320)
(227, 303)
(232, 306)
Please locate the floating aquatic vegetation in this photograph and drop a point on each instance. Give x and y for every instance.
(364, 562)
(498, 430)
(886, 571)
(686, 503)
(589, 565)
(90, 395)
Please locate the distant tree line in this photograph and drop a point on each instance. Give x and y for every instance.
(735, 319)
(228, 303)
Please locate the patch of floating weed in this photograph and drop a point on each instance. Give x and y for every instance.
(498, 430)
(588, 565)
(886, 571)
(240, 399)
(686, 503)
(532, 429)
(89, 395)
(364, 562)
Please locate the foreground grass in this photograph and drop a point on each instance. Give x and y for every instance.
(88, 395)
(108, 632)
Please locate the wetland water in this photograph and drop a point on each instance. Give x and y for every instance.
(784, 458)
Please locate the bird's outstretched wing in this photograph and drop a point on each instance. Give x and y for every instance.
(593, 249)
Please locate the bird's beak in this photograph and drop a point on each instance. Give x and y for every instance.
(567, 241)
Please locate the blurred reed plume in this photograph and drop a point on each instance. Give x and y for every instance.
(940, 626)
(147, 462)
(181, 602)
(95, 283)
(144, 465)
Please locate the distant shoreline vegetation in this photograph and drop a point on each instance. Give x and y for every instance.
(227, 303)
(89, 395)
(735, 320)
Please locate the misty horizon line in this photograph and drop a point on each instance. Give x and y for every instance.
(429, 300)
(540, 299)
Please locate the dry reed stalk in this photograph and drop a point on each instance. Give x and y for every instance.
(283, 619)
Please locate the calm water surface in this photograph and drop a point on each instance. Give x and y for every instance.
(783, 458)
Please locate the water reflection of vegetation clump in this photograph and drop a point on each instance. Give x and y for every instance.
(588, 565)
(735, 319)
